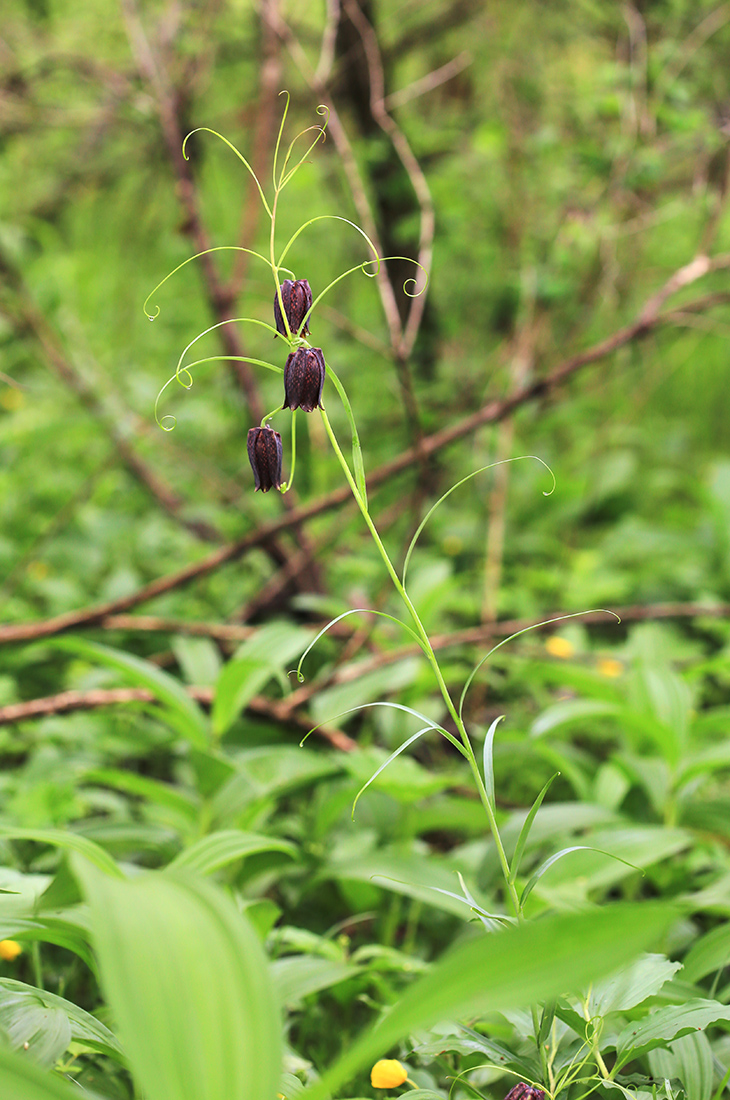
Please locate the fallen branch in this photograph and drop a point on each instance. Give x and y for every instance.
(488, 632)
(68, 701)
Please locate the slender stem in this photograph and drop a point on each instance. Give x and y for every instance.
(540, 1046)
(35, 955)
(274, 267)
(288, 484)
(595, 1046)
(432, 660)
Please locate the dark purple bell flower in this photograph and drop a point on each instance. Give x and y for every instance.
(521, 1091)
(297, 298)
(264, 454)
(303, 379)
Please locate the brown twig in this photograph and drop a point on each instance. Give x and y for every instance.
(264, 133)
(220, 632)
(491, 413)
(317, 83)
(218, 294)
(68, 701)
(427, 83)
(413, 170)
(486, 632)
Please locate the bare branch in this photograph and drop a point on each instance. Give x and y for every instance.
(412, 167)
(487, 632)
(427, 83)
(219, 296)
(68, 701)
(264, 133)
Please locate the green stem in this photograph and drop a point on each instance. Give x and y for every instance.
(432, 660)
(274, 266)
(288, 484)
(35, 955)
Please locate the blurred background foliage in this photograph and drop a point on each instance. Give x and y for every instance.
(576, 158)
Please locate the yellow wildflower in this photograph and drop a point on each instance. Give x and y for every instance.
(11, 399)
(559, 647)
(37, 570)
(9, 950)
(609, 666)
(388, 1073)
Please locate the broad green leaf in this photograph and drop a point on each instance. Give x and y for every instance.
(714, 758)
(69, 841)
(85, 1028)
(689, 1059)
(199, 659)
(182, 806)
(43, 1032)
(340, 699)
(240, 680)
(572, 712)
(660, 694)
(218, 849)
(49, 930)
(507, 970)
(710, 953)
(470, 1042)
(20, 1079)
(296, 976)
(665, 1024)
(556, 821)
(631, 985)
(264, 655)
(264, 773)
(415, 876)
(187, 982)
(190, 720)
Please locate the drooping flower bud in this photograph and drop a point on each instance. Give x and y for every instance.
(303, 379)
(264, 454)
(521, 1091)
(297, 298)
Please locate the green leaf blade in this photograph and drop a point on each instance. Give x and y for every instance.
(187, 981)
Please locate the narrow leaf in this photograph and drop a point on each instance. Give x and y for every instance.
(489, 760)
(559, 855)
(526, 827)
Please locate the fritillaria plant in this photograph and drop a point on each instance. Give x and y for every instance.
(304, 373)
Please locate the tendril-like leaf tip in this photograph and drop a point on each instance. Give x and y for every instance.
(168, 427)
